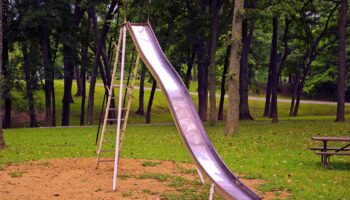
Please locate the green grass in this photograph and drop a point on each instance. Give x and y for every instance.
(277, 153)
(150, 164)
(16, 174)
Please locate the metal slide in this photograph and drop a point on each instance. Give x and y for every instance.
(185, 115)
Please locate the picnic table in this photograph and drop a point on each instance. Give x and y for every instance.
(326, 152)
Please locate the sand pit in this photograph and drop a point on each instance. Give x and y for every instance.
(78, 179)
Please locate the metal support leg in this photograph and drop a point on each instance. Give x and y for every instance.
(212, 190)
(200, 175)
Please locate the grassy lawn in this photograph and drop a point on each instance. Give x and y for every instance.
(275, 153)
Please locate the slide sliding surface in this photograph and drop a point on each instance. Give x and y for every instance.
(185, 115)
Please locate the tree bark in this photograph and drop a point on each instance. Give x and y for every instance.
(215, 6)
(232, 121)
(202, 81)
(190, 63)
(268, 91)
(244, 113)
(78, 80)
(223, 83)
(140, 109)
(68, 61)
(84, 65)
(150, 102)
(45, 49)
(274, 72)
(29, 83)
(342, 62)
(2, 140)
(100, 45)
(6, 88)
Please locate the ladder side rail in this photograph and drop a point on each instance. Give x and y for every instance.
(116, 159)
(136, 69)
(109, 99)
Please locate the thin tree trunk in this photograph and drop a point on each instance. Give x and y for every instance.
(7, 88)
(45, 49)
(202, 81)
(84, 65)
(53, 61)
(223, 83)
(215, 6)
(68, 61)
(140, 109)
(342, 63)
(100, 45)
(190, 63)
(295, 80)
(232, 120)
(274, 70)
(2, 140)
(150, 102)
(244, 113)
(29, 91)
(268, 93)
(78, 80)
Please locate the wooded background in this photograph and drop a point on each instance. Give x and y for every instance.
(294, 46)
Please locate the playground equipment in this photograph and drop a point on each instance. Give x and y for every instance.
(184, 113)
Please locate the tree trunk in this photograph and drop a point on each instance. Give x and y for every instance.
(202, 81)
(215, 6)
(244, 113)
(150, 102)
(190, 63)
(84, 65)
(2, 140)
(29, 90)
(53, 61)
(7, 88)
(45, 49)
(68, 61)
(342, 62)
(232, 120)
(140, 110)
(268, 93)
(223, 83)
(78, 80)
(274, 72)
(100, 45)
(295, 79)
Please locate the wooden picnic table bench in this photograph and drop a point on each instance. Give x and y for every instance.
(326, 152)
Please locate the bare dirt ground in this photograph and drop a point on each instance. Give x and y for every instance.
(78, 179)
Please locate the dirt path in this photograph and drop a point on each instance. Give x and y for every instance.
(78, 179)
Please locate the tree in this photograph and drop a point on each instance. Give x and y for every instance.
(28, 74)
(150, 101)
(342, 62)
(2, 140)
(215, 7)
(247, 37)
(100, 45)
(311, 52)
(274, 74)
(232, 121)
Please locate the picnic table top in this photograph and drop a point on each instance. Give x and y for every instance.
(333, 138)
